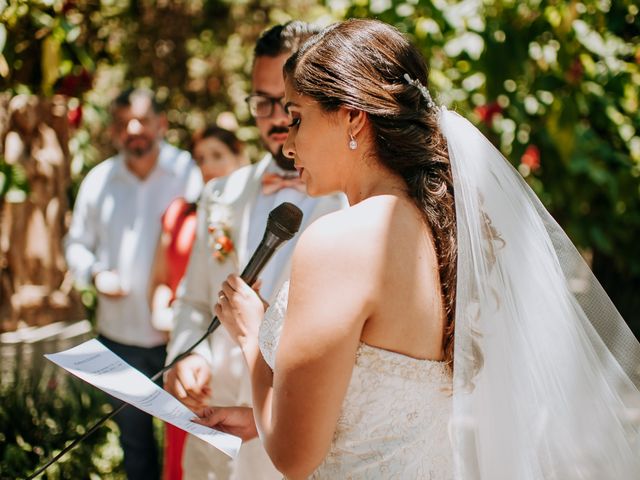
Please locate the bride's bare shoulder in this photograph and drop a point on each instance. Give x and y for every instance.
(354, 232)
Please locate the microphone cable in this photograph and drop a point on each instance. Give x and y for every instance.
(212, 326)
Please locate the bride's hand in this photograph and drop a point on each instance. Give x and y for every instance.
(240, 309)
(237, 421)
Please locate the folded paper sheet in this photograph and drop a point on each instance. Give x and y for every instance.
(96, 364)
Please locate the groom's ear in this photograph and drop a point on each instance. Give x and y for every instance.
(357, 119)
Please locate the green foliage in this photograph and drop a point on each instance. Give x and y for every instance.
(196, 54)
(40, 413)
(554, 84)
(13, 180)
(46, 46)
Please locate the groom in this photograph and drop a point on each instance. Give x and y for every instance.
(232, 217)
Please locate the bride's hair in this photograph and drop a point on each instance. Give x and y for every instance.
(361, 64)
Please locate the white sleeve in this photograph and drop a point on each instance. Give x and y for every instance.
(80, 242)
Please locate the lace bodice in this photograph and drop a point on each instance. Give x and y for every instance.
(394, 418)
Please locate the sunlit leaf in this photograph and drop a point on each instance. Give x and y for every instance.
(4, 66)
(50, 61)
(3, 37)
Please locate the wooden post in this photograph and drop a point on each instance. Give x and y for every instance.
(35, 286)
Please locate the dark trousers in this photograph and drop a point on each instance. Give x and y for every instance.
(136, 427)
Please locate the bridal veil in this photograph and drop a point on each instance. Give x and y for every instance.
(546, 372)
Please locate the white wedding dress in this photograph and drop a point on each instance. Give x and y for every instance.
(395, 415)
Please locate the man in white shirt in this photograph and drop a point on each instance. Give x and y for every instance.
(111, 242)
(232, 217)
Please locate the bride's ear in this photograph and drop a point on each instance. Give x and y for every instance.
(356, 119)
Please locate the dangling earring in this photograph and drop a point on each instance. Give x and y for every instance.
(353, 144)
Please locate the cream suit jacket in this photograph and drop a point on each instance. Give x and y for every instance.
(229, 200)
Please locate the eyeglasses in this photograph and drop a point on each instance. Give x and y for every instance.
(262, 106)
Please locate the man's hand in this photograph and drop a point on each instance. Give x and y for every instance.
(237, 421)
(107, 282)
(188, 381)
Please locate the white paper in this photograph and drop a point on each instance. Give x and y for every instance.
(96, 364)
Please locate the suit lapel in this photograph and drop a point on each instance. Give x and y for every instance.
(243, 218)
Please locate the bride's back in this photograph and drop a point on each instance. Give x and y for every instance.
(395, 256)
(365, 319)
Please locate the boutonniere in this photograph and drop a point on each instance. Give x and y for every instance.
(219, 232)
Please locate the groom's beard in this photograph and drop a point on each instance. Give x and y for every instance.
(281, 160)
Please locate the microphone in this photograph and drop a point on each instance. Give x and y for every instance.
(283, 223)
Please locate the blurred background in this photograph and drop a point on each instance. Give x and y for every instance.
(554, 84)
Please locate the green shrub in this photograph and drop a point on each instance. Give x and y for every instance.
(42, 412)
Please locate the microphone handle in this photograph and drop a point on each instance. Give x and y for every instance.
(255, 265)
(260, 257)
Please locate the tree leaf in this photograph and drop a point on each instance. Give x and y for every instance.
(3, 36)
(50, 62)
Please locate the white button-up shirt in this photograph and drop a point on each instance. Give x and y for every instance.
(116, 225)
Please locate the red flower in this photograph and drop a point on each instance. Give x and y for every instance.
(220, 240)
(52, 384)
(226, 245)
(487, 112)
(74, 85)
(575, 72)
(531, 157)
(68, 5)
(74, 116)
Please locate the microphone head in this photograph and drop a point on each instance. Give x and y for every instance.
(284, 220)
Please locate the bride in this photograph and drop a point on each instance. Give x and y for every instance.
(441, 327)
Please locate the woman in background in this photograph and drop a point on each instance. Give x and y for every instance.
(217, 152)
